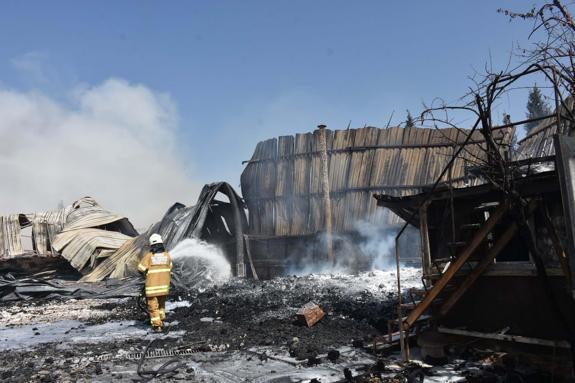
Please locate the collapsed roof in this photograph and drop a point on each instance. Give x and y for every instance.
(101, 244)
(83, 233)
(217, 221)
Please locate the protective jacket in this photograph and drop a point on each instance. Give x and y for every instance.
(158, 268)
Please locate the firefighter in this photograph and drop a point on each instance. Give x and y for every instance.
(156, 266)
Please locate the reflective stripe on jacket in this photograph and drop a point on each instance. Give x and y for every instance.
(158, 268)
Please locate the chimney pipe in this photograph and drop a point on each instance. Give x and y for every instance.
(326, 192)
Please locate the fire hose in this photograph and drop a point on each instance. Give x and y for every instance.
(167, 370)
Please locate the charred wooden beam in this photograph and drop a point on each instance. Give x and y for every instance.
(425, 247)
(505, 337)
(325, 193)
(565, 150)
(484, 264)
(559, 250)
(456, 265)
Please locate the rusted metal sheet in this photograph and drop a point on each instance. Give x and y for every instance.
(310, 314)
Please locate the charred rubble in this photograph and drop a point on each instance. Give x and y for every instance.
(488, 224)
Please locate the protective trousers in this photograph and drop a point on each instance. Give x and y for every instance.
(157, 309)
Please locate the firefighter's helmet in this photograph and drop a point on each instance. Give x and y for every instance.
(155, 239)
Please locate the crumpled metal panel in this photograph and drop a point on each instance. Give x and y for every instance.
(89, 217)
(35, 287)
(83, 246)
(178, 223)
(10, 241)
(68, 231)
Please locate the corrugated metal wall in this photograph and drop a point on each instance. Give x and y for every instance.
(281, 183)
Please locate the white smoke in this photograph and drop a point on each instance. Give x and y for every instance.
(198, 263)
(312, 259)
(369, 247)
(115, 141)
(377, 243)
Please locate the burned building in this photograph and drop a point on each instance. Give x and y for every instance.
(285, 190)
(498, 260)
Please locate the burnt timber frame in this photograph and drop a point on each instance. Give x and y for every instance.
(565, 151)
(407, 207)
(533, 188)
(484, 264)
(455, 266)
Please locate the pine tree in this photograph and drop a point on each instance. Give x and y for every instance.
(536, 107)
(409, 121)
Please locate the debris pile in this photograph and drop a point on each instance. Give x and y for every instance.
(210, 219)
(42, 286)
(242, 330)
(83, 233)
(245, 313)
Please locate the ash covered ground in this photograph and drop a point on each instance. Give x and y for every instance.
(246, 313)
(242, 330)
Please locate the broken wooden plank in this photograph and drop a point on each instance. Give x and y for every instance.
(384, 343)
(505, 337)
(557, 244)
(425, 246)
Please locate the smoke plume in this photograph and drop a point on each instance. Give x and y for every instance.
(368, 247)
(115, 141)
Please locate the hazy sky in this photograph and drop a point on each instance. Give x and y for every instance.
(184, 90)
